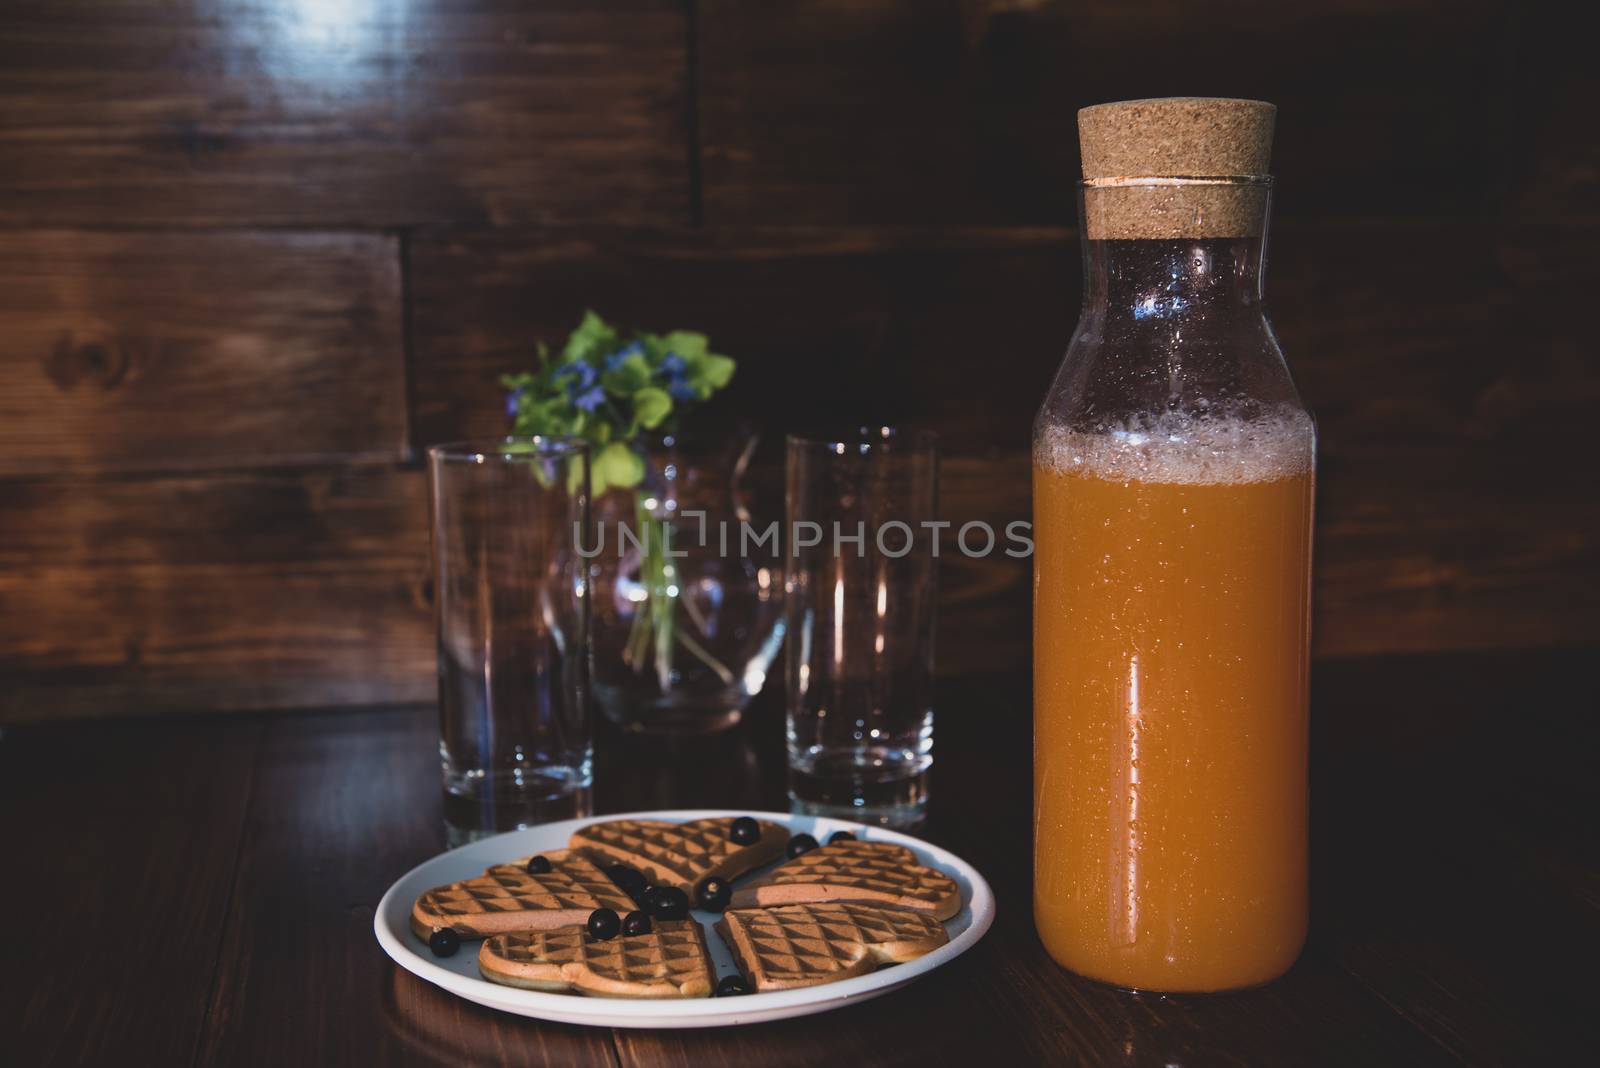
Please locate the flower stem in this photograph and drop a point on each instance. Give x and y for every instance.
(664, 588)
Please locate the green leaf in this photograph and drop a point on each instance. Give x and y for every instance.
(709, 373)
(632, 375)
(532, 419)
(615, 465)
(655, 347)
(651, 405)
(636, 397)
(593, 339)
(717, 371)
(686, 343)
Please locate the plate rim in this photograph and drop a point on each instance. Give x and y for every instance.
(691, 1012)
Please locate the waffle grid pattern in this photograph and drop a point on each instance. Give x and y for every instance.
(685, 850)
(876, 866)
(801, 941)
(671, 952)
(573, 883)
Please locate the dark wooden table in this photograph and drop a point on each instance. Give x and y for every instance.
(201, 891)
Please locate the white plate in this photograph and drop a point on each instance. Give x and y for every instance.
(459, 974)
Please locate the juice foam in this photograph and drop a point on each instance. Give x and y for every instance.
(1183, 451)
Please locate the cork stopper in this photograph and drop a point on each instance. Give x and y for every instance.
(1134, 152)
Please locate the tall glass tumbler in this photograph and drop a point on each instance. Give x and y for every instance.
(860, 587)
(513, 630)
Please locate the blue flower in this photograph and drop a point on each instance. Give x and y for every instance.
(513, 402)
(577, 376)
(677, 374)
(582, 383)
(632, 348)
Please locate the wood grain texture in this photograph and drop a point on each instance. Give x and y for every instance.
(1453, 548)
(1500, 887)
(1453, 914)
(843, 111)
(1437, 324)
(341, 114)
(287, 588)
(139, 351)
(228, 591)
(1447, 365)
(344, 804)
(122, 842)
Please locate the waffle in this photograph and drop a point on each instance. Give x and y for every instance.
(876, 873)
(804, 945)
(508, 898)
(669, 962)
(679, 854)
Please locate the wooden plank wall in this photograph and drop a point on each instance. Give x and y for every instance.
(254, 254)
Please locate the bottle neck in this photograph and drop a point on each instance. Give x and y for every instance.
(1175, 282)
(1174, 330)
(1174, 250)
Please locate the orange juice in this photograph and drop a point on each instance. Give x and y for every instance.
(1171, 631)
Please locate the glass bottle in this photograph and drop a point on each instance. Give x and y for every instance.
(1173, 483)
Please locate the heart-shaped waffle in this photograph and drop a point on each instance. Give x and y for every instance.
(508, 897)
(875, 873)
(669, 962)
(680, 854)
(804, 945)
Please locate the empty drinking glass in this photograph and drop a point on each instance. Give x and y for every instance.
(859, 593)
(513, 628)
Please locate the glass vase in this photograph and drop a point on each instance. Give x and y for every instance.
(688, 591)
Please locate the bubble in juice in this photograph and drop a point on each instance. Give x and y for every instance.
(1171, 636)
